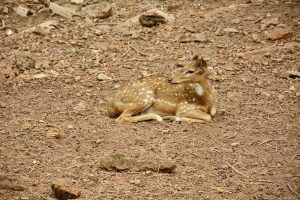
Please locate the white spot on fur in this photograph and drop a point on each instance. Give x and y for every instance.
(198, 89)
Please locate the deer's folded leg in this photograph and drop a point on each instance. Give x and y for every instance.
(128, 118)
(193, 112)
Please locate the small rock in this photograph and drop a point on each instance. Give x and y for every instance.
(2, 104)
(268, 54)
(280, 97)
(24, 198)
(291, 88)
(293, 74)
(22, 11)
(235, 21)
(11, 182)
(257, 2)
(103, 29)
(23, 62)
(150, 19)
(268, 21)
(77, 1)
(80, 107)
(90, 83)
(280, 33)
(99, 141)
(230, 30)
(26, 125)
(256, 38)
(40, 76)
(100, 10)
(103, 77)
(234, 144)
(266, 94)
(70, 126)
(54, 73)
(4, 10)
(148, 173)
(136, 181)
(165, 131)
(63, 189)
(197, 37)
(219, 32)
(135, 20)
(9, 32)
(62, 11)
(53, 134)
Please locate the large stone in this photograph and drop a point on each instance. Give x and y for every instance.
(168, 18)
(280, 33)
(11, 182)
(120, 162)
(100, 10)
(64, 189)
(62, 11)
(23, 62)
(268, 21)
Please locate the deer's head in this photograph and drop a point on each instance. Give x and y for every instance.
(194, 72)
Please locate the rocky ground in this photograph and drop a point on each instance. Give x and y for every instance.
(57, 73)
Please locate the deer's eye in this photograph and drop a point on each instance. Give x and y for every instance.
(188, 72)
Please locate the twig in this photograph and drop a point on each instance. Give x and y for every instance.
(142, 38)
(126, 52)
(294, 156)
(3, 24)
(264, 181)
(196, 180)
(237, 171)
(292, 190)
(112, 24)
(33, 167)
(271, 140)
(143, 54)
(253, 103)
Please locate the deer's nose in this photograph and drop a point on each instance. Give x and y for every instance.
(170, 80)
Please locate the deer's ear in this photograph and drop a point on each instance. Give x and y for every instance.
(200, 62)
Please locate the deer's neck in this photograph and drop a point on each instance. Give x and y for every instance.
(204, 92)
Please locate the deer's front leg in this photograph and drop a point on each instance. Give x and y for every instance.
(192, 113)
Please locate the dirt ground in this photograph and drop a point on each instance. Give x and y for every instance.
(49, 86)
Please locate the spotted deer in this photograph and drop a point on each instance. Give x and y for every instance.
(186, 96)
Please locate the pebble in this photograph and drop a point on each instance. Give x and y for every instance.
(268, 21)
(9, 32)
(81, 106)
(235, 21)
(266, 94)
(255, 38)
(70, 126)
(40, 76)
(234, 144)
(53, 134)
(2, 104)
(136, 181)
(230, 30)
(257, 2)
(292, 88)
(165, 131)
(280, 97)
(103, 77)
